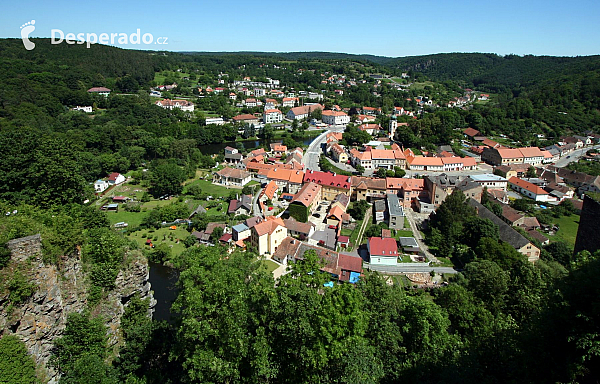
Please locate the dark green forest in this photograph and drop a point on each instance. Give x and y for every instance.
(500, 320)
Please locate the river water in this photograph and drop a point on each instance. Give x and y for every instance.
(163, 280)
(215, 149)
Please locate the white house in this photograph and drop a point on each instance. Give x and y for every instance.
(215, 121)
(100, 91)
(271, 116)
(530, 190)
(382, 251)
(101, 186)
(87, 109)
(116, 178)
(184, 105)
(335, 117)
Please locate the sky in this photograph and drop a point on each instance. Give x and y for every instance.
(386, 28)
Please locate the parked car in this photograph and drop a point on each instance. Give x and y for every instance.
(332, 227)
(316, 215)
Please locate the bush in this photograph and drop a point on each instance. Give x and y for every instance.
(20, 289)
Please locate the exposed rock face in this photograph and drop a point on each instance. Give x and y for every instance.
(42, 318)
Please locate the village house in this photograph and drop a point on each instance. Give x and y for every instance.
(331, 183)
(116, 178)
(335, 118)
(530, 190)
(361, 158)
(371, 129)
(269, 192)
(245, 118)
(409, 191)
(289, 102)
(305, 202)
(299, 229)
(241, 206)
(266, 236)
(240, 232)
(421, 163)
(507, 233)
(101, 185)
(338, 153)
(367, 188)
(300, 113)
(490, 181)
(272, 116)
(231, 177)
(288, 180)
(184, 105)
(102, 91)
(395, 212)
(382, 251)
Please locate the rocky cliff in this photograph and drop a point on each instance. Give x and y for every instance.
(59, 291)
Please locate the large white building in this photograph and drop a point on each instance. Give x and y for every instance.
(184, 105)
(271, 116)
(335, 118)
(299, 113)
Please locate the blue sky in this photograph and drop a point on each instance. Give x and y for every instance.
(389, 28)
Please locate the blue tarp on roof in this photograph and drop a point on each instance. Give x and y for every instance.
(354, 277)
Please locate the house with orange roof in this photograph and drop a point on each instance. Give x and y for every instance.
(303, 112)
(272, 116)
(361, 158)
(368, 188)
(289, 102)
(421, 163)
(490, 143)
(278, 149)
(269, 192)
(532, 155)
(266, 236)
(365, 118)
(371, 129)
(408, 190)
(335, 117)
(334, 136)
(530, 190)
(339, 153)
(471, 132)
(306, 201)
(502, 156)
(245, 118)
(184, 105)
(383, 158)
(287, 180)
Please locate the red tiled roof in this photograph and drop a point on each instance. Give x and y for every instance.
(380, 246)
(327, 179)
(471, 132)
(527, 186)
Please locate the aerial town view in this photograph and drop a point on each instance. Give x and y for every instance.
(321, 192)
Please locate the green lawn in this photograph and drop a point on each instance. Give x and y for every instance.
(354, 234)
(160, 77)
(133, 219)
(220, 209)
(405, 259)
(568, 229)
(208, 187)
(270, 265)
(403, 233)
(421, 86)
(401, 280)
(163, 235)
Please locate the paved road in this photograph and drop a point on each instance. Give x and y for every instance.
(408, 268)
(418, 237)
(573, 156)
(342, 166)
(313, 152)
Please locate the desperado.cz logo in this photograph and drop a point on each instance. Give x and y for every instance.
(58, 36)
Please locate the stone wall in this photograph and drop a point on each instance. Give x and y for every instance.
(25, 247)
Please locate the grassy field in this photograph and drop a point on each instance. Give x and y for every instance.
(160, 77)
(163, 235)
(354, 234)
(208, 187)
(568, 229)
(403, 233)
(133, 219)
(421, 86)
(270, 265)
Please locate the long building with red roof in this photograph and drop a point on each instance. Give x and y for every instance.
(331, 183)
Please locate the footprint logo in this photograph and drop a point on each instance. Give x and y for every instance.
(26, 29)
